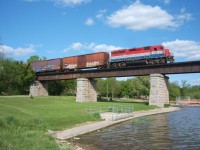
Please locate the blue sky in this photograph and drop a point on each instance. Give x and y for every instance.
(59, 28)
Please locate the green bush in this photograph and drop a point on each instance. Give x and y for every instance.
(166, 105)
(97, 115)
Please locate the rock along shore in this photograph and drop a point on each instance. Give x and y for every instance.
(82, 129)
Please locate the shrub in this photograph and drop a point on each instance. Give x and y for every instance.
(97, 115)
(166, 105)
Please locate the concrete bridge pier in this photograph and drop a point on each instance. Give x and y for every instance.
(159, 94)
(86, 90)
(39, 88)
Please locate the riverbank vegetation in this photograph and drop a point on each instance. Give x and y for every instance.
(24, 121)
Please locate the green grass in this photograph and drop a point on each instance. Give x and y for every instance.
(24, 121)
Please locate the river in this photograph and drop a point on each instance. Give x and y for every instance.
(179, 130)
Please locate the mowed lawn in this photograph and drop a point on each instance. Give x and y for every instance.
(24, 121)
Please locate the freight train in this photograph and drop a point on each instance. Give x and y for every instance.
(115, 59)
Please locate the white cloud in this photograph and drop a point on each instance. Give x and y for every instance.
(138, 16)
(89, 22)
(77, 46)
(184, 16)
(92, 46)
(71, 2)
(19, 51)
(196, 80)
(102, 47)
(167, 1)
(101, 13)
(184, 48)
(64, 2)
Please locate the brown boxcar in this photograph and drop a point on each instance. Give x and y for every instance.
(47, 65)
(38, 66)
(86, 61)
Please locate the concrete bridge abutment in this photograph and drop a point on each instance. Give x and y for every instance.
(86, 90)
(39, 88)
(159, 94)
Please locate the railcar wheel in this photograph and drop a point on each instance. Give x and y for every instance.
(66, 70)
(114, 65)
(99, 67)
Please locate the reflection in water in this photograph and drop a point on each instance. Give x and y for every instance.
(176, 130)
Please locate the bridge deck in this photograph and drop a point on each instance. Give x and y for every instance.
(174, 68)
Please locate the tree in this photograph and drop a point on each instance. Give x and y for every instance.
(125, 89)
(62, 87)
(55, 87)
(185, 88)
(112, 87)
(195, 92)
(15, 77)
(136, 87)
(2, 56)
(69, 87)
(144, 85)
(174, 90)
(35, 58)
(101, 87)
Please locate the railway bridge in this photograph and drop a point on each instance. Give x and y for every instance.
(86, 85)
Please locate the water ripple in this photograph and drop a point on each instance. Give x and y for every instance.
(178, 130)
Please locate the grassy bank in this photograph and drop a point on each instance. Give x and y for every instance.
(24, 121)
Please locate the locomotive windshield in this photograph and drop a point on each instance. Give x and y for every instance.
(147, 48)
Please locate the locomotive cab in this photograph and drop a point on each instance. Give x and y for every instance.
(169, 56)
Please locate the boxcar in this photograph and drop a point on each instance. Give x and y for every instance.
(95, 60)
(47, 65)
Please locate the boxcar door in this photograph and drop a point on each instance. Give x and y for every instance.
(82, 61)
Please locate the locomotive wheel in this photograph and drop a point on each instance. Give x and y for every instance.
(122, 64)
(162, 61)
(171, 60)
(156, 61)
(150, 61)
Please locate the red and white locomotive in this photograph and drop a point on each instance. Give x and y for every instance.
(115, 59)
(142, 55)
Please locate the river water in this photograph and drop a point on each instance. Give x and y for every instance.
(179, 130)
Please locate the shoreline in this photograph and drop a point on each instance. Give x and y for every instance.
(83, 129)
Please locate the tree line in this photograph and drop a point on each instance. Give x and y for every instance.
(17, 76)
